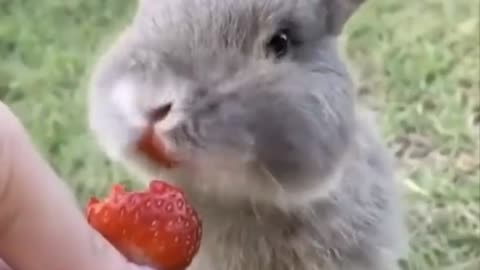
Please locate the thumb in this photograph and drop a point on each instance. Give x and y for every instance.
(41, 226)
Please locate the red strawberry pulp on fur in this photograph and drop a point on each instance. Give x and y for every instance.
(155, 149)
(156, 227)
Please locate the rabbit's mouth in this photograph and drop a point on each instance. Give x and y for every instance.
(155, 149)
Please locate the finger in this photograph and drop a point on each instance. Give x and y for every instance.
(41, 226)
(4, 266)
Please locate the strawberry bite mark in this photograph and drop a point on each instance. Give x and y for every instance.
(155, 149)
(156, 227)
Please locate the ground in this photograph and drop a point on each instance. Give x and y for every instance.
(417, 64)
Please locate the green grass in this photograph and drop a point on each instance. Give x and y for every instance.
(417, 63)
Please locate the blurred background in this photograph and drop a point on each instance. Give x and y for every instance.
(417, 63)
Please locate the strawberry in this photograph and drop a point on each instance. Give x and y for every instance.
(154, 149)
(157, 227)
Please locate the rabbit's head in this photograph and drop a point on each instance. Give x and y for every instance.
(251, 96)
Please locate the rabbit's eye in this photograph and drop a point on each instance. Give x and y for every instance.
(279, 44)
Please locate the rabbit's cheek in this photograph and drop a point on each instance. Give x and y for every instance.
(296, 139)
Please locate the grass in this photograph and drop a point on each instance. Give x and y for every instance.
(417, 63)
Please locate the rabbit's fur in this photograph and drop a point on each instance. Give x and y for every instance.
(287, 171)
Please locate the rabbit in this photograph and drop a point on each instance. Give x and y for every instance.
(287, 170)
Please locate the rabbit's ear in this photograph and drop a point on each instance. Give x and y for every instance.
(339, 12)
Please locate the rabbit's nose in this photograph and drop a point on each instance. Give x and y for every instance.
(160, 113)
(152, 143)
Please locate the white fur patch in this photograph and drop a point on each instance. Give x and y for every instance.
(126, 96)
(123, 97)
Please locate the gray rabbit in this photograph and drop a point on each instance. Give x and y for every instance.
(286, 169)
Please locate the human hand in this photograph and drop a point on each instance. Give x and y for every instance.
(41, 226)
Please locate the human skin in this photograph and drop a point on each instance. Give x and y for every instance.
(41, 226)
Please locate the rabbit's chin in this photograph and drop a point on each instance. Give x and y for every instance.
(230, 183)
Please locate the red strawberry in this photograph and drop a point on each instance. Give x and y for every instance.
(154, 149)
(157, 227)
